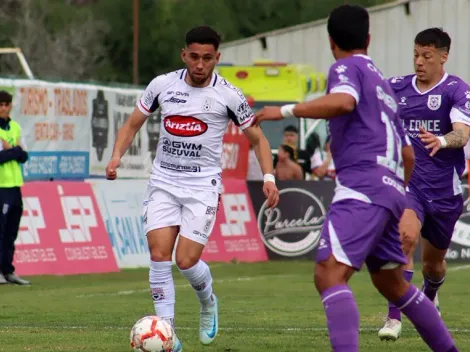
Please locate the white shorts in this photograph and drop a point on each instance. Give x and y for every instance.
(192, 210)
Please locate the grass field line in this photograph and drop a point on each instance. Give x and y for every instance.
(218, 281)
(240, 329)
(459, 267)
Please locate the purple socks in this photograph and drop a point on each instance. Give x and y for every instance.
(424, 316)
(342, 318)
(393, 311)
(430, 287)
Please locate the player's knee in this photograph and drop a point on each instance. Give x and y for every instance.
(390, 283)
(159, 256)
(330, 273)
(186, 262)
(409, 243)
(434, 268)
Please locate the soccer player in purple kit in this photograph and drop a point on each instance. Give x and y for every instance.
(435, 109)
(374, 161)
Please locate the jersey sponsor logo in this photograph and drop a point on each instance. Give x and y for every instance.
(184, 126)
(429, 125)
(244, 111)
(434, 102)
(387, 99)
(232, 87)
(177, 148)
(175, 100)
(277, 225)
(177, 93)
(179, 168)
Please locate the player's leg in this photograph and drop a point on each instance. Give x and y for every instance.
(198, 218)
(386, 265)
(437, 234)
(409, 228)
(416, 306)
(162, 215)
(348, 234)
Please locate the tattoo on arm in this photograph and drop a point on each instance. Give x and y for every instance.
(456, 139)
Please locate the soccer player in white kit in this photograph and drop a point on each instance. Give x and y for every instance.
(183, 192)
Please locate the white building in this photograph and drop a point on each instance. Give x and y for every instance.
(393, 28)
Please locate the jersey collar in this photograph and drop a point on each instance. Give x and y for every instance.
(415, 86)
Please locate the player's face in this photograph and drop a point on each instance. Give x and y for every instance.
(5, 109)
(428, 62)
(200, 59)
(290, 138)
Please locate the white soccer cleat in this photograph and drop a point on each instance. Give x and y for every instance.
(436, 304)
(209, 322)
(391, 330)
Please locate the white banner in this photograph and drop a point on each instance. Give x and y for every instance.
(110, 109)
(120, 203)
(54, 118)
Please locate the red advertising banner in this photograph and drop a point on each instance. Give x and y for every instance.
(235, 234)
(235, 153)
(62, 231)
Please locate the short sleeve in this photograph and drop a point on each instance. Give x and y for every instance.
(238, 109)
(148, 103)
(316, 159)
(344, 78)
(460, 111)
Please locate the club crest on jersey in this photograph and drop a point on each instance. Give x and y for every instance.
(434, 102)
(207, 105)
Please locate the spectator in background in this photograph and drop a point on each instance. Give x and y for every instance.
(302, 157)
(322, 163)
(12, 154)
(286, 167)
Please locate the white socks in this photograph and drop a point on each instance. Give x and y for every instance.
(163, 290)
(199, 276)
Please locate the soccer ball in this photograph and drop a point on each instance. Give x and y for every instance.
(152, 334)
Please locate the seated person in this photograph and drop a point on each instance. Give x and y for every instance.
(286, 167)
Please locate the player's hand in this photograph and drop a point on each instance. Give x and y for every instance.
(268, 113)
(111, 172)
(431, 141)
(5, 144)
(272, 193)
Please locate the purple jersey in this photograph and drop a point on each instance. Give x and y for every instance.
(366, 144)
(436, 177)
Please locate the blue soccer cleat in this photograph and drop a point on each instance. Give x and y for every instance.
(209, 322)
(177, 346)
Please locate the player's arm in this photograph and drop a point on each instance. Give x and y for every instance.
(262, 149)
(126, 134)
(242, 116)
(407, 152)
(408, 156)
(460, 118)
(343, 95)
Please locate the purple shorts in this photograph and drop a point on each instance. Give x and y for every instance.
(438, 217)
(356, 232)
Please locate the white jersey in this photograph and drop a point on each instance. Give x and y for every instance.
(194, 121)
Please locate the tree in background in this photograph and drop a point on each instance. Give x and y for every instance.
(93, 40)
(57, 42)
